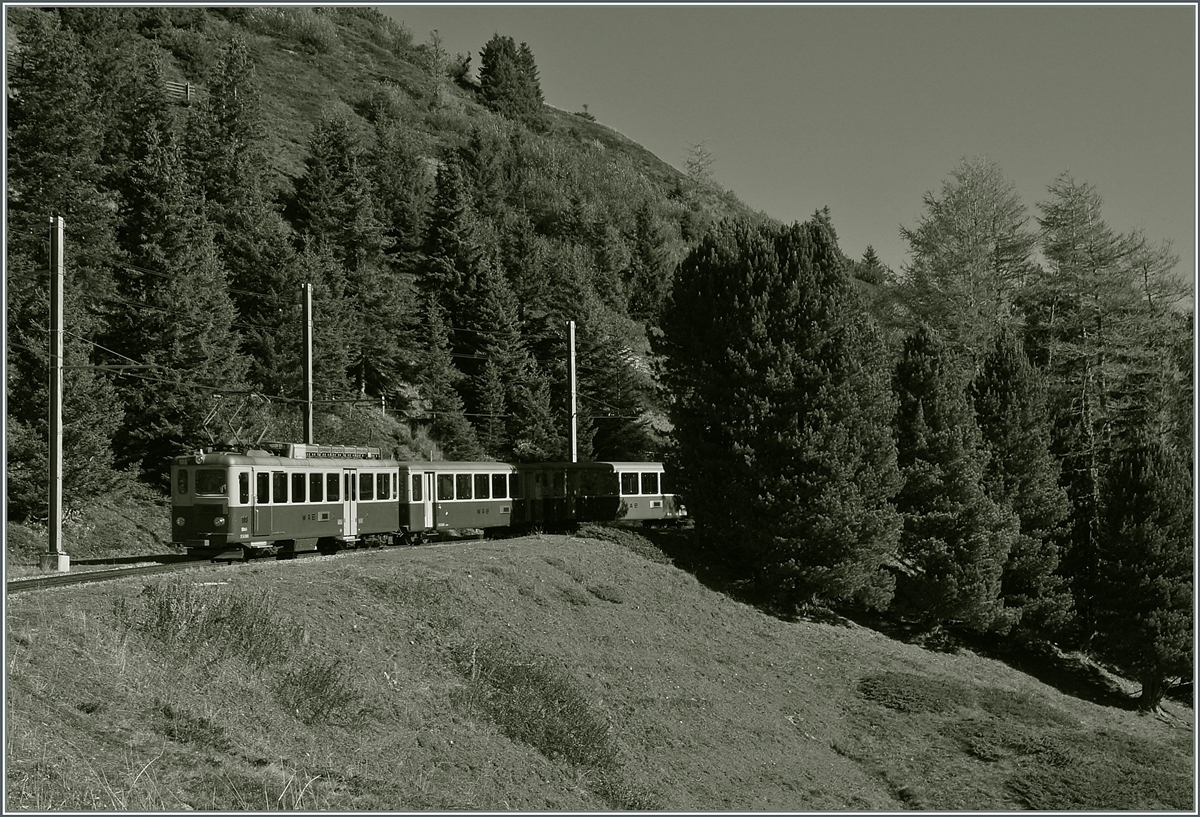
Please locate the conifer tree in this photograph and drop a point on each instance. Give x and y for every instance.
(227, 162)
(955, 540)
(335, 209)
(1094, 319)
(179, 316)
(971, 253)
(1144, 599)
(1021, 474)
(54, 142)
(781, 413)
(508, 79)
(438, 380)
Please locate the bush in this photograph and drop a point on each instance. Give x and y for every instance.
(307, 28)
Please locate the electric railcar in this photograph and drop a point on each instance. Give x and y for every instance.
(289, 498)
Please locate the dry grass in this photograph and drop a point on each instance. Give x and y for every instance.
(540, 673)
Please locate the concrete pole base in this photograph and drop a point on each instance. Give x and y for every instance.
(50, 562)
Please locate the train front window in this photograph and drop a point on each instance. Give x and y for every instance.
(181, 484)
(210, 482)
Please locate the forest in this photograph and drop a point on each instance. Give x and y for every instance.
(996, 437)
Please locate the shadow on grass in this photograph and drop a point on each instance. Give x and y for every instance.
(1068, 673)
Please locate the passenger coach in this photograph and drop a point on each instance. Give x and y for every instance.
(289, 498)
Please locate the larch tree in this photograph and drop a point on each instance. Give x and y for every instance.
(970, 254)
(1094, 320)
(955, 540)
(781, 411)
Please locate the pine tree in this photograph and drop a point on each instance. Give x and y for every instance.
(1021, 474)
(955, 540)
(781, 414)
(1144, 591)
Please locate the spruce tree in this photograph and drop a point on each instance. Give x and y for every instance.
(54, 145)
(335, 210)
(955, 540)
(1021, 474)
(781, 413)
(438, 384)
(1144, 599)
(179, 316)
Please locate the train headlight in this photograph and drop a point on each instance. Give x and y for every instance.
(219, 522)
(179, 520)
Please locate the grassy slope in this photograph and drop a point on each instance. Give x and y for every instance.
(547, 672)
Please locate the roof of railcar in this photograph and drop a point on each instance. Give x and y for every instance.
(256, 457)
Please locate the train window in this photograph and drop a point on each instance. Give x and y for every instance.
(244, 487)
(650, 482)
(315, 484)
(560, 484)
(629, 484)
(333, 485)
(417, 493)
(482, 486)
(181, 485)
(366, 486)
(263, 484)
(445, 486)
(383, 486)
(279, 483)
(668, 484)
(298, 483)
(517, 486)
(462, 486)
(499, 486)
(210, 482)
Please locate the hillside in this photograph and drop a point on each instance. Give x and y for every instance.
(537, 673)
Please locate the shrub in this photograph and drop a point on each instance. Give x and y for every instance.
(307, 28)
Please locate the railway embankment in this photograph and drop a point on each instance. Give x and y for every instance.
(584, 672)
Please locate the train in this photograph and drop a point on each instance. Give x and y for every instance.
(283, 499)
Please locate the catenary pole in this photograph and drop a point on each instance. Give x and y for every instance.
(574, 413)
(309, 434)
(56, 557)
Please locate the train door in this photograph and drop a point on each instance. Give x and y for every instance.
(427, 482)
(262, 503)
(350, 503)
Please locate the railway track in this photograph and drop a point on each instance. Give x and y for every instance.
(94, 576)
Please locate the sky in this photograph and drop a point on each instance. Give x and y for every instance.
(865, 109)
